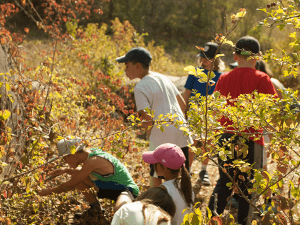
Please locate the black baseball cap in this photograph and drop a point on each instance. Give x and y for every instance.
(209, 50)
(247, 45)
(138, 54)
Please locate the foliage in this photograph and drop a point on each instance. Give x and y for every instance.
(279, 117)
(71, 86)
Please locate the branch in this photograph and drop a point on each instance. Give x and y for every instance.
(234, 183)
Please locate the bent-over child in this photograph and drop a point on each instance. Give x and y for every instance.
(100, 170)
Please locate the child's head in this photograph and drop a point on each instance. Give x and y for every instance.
(168, 160)
(159, 197)
(169, 155)
(246, 47)
(137, 61)
(210, 50)
(67, 148)
(261, 65)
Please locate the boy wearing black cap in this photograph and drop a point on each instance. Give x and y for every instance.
(100, 170)
(242, 80)
(208, 52)
(156, 92)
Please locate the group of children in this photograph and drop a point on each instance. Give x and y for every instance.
(168, 153)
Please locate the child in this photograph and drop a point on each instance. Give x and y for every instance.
(242, 80)
(279, 88)
(206, 56)
(152, 207)
(156, 92)
(100, 170)
(168, 161)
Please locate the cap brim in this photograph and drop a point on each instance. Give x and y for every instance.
(148, 157)
(122, 59)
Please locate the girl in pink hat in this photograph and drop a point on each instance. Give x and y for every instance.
(168, 160)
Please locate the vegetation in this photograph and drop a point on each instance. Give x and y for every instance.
(70, 84)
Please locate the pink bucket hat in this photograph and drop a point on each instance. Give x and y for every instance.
(169, 155)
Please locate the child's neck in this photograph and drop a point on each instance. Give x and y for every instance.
(144, 73)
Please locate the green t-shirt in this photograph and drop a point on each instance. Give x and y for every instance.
(119, 180)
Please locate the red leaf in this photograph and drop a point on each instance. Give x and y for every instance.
(26, 29)
(5, 194)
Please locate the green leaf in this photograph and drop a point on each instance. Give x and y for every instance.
(217, 94)
(195, 220)
(229, 184)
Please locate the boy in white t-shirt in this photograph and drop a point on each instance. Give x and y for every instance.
(156, 92)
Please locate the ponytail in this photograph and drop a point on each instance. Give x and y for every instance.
(185, 185)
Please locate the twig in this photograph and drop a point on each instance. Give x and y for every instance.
(21, 174)
(216, 204)
(234, 184)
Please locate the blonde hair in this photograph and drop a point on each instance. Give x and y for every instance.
(219, 64)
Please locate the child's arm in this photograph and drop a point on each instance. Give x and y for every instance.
(182, 101)
(148, 124)
(76, 179)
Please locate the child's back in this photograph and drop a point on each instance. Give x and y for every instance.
(179, 201)
(157, 92)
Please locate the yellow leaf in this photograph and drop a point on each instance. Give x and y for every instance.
(279, 11)
(229, 43)
(8, 86)
(219, 55)
(73, 150)
(241, 14)
(293, 35)
(189, 68)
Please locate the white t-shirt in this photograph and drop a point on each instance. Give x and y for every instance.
(131, 214)
(179, 201)
(157, 92)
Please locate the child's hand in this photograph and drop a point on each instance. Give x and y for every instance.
(56, 172)
(43, 192)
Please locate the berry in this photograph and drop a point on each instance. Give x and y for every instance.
(268, 6)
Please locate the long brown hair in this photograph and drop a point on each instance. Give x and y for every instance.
(185, 186)
(157, 198)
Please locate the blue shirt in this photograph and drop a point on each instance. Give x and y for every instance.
(193, 83)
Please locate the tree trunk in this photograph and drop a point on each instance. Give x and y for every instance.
(10, 127)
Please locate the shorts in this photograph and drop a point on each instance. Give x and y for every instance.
(187, 162)
(115, 194)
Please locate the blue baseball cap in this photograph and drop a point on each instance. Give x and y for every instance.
(137, 54)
